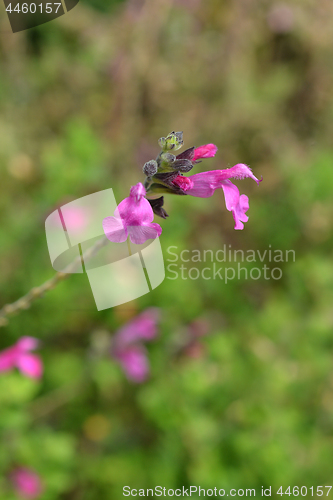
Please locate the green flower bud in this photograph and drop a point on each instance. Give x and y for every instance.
(162, 142)
(168, 157)
(173, 141)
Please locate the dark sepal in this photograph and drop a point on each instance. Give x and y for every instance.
(157, 206)
(182, 165)
(162, 188)
(163, 183)
(188, 154)
(166, 178)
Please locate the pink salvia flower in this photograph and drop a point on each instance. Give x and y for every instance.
(206, 151)
(142, 327)
(127, 347)
(19, 356)
(26, 483)
(133, 217)
(134, 362)
(203, 185)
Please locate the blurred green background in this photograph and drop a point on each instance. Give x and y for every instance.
(83, 100)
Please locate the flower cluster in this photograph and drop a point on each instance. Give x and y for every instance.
(134, 215)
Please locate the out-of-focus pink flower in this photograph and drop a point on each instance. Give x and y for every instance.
(280, 18)
(199, 327)
(133, 217)
(27, 483)
(203, 185)
(19, 356)
(195, 350)
(127, 345)
(134, 362)
(142, 327)
(76, 218)
(206, 151)
(193, 346)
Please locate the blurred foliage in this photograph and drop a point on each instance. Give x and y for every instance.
(83, 101)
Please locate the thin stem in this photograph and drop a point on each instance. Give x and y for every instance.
(147, 183)
(129, 246)
(51, 402)
(36, 292)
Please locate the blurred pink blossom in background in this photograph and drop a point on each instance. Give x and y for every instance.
(134, 362)
(76, 218)
(26, 483)
(280, 18)
(19, 356)
(128, 348)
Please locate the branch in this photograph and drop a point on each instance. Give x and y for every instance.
(37, 292)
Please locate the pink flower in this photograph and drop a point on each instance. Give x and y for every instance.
(142, 327)
(27, 483)
(76, 218)
(204, 184)
(19, 356)
(127, 347)
(132, 217)
(206, 151)
(134, 362)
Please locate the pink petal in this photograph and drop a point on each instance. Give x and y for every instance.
(185, 183)
(114, 229)
(27, 483)
(201, 185)
(142, 327)
(204, 184)
(138, 191)
(140, 234)
(8, 358)
(75, 218)
(134, 215)
(30, 365)
(206, 151)
(235, 203)
(135, 363)
(134, 212)
(239, 171)
(27, 343)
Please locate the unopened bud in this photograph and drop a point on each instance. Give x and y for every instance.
(168, 157)
(173, 141)
(161, 142)
(150, 168)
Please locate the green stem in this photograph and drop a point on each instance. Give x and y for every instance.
(129, 246)
(37, 292)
